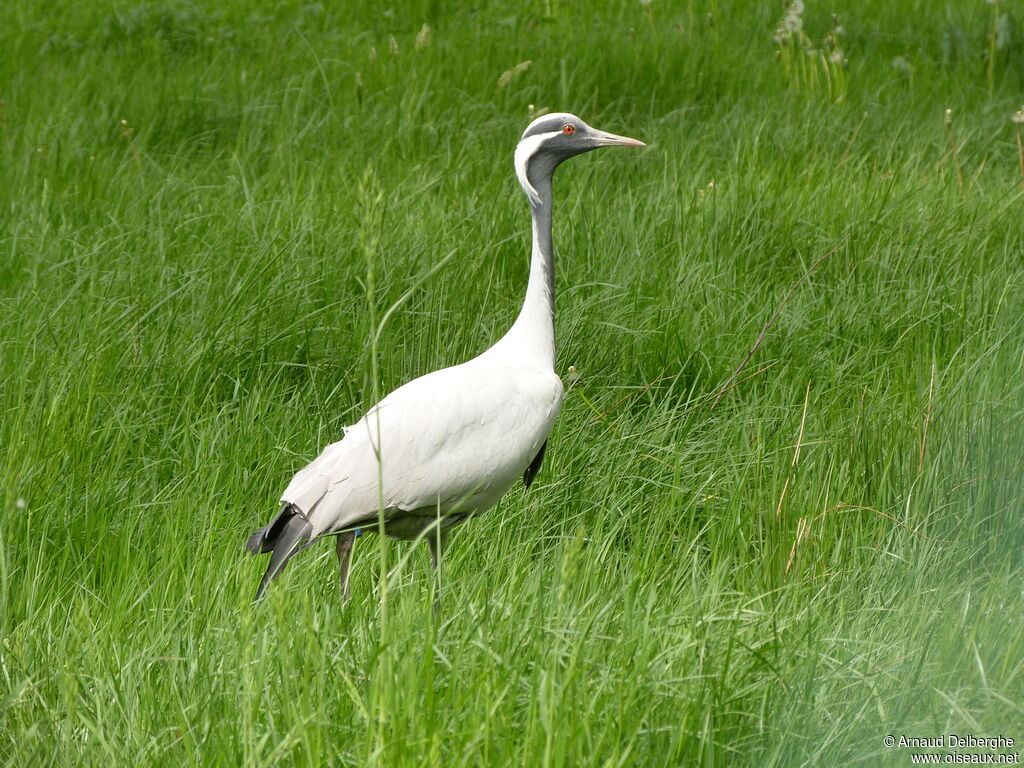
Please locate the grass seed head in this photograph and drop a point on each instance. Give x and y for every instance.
(507, 75)
(423, 38)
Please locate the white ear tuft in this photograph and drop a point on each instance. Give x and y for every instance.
(527, 148)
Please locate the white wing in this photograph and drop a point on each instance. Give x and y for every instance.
(443, 444)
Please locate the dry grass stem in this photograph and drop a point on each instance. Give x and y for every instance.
(775, 316)
(803, 531)
(954, 152)
(796, 453)
(843, 507)
(927, 420)
(1020, 156)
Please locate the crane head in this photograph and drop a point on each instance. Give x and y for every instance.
(550, 139)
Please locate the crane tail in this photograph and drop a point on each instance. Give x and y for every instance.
(283, 538)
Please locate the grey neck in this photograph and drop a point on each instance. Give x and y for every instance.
(532, 336)
(543, 251)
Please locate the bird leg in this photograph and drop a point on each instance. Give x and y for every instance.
(437, 540)
(343, 547)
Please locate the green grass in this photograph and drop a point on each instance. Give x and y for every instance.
(829, 553)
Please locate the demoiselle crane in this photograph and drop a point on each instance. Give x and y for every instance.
(449, 444)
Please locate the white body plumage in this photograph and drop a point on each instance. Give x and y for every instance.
(451, 443)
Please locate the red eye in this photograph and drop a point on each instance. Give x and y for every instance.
(568, 129)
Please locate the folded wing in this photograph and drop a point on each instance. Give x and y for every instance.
(436, 443)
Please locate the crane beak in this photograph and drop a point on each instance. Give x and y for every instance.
(603, 139)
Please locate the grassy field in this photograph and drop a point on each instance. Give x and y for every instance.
(827, 553)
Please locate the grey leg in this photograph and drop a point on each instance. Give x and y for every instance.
(437, 541)
(344, 549)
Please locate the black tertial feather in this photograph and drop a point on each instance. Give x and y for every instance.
(534, 468)
(295, 531)
(262, 540)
